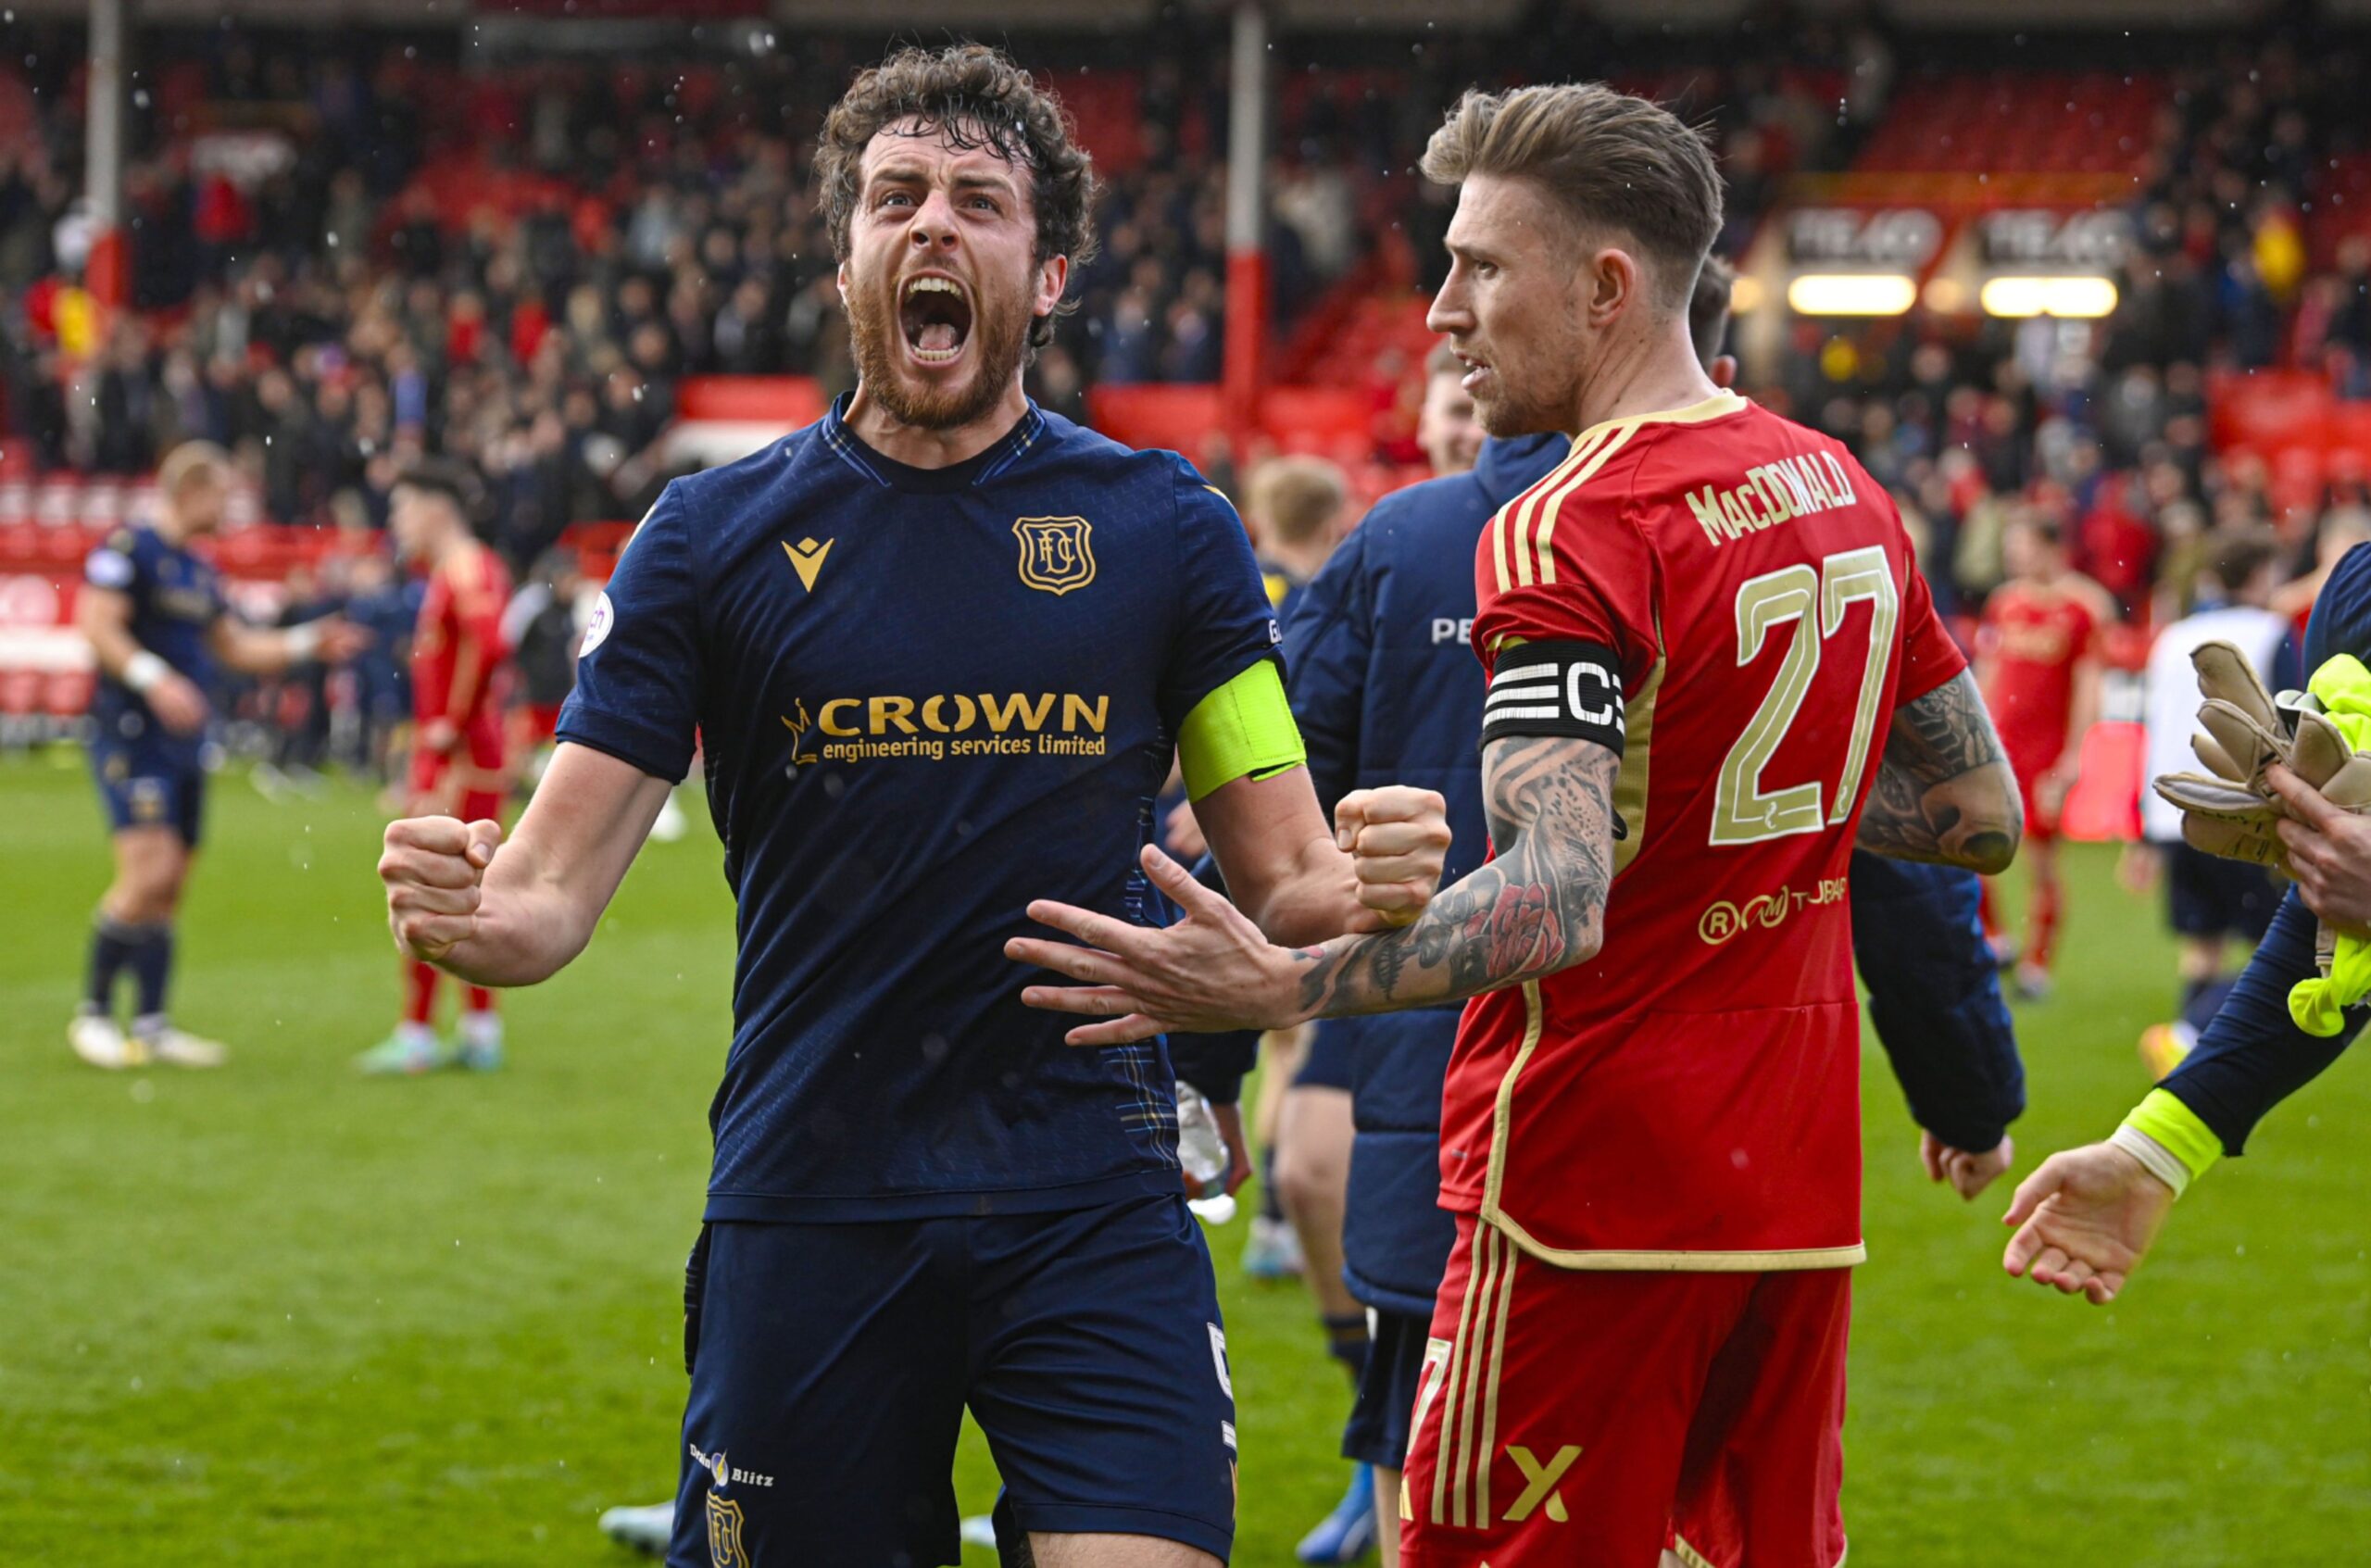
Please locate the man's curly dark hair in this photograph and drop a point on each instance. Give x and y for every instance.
(976, 97)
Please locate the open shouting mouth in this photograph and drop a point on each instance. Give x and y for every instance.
(935, 314)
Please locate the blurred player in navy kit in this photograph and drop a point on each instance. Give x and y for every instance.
(1384, 687)
(154, 614)
(939, 649)
(1299, 514)
(2208, 899)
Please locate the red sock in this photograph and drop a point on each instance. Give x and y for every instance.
(1984, 910)
(420, 991)
(477, 998)
(2045, 920)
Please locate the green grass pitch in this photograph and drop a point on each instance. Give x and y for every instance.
(279, 1314)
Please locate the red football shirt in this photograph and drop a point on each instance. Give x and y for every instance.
(1689, 1099)
(458, 654)
(2033, 637)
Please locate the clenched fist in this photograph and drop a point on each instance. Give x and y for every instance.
(1397, 839)
(434, 868)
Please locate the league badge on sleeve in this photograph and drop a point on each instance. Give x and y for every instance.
(597, 629)
(1055, 554)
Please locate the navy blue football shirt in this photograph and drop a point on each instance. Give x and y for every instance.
(175, 598)
(927, 697)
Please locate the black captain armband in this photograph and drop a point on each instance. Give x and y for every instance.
(1556, 689)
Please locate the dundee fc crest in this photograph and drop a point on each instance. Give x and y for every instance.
(1055, 556)
(724, 1545)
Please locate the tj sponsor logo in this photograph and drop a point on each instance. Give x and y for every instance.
(1723, 919)
(721, 1472)
(865, 729)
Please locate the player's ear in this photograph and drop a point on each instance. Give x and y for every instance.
(840, 277)
(1053, 276)
(1613, 280)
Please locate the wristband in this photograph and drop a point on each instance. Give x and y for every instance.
(302, 641)
(2154, 1157)
(2167, 1137)
(143, 669)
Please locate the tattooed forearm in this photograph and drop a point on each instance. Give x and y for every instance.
(1538, 908)
(1944, 792)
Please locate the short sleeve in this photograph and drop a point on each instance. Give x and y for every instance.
(1558, 565)
(640, 667)
(1929, 658)
(1225, 623)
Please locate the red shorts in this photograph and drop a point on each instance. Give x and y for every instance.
(2041, 814)
(1589, 1419)
(479, 798)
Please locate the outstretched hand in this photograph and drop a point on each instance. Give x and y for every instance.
(1212, 970)
(2083, 1220)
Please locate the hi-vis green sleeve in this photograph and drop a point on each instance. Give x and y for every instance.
(1245, 728)
(2167, 1137)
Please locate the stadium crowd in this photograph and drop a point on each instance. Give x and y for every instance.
(521, 282)
(2105, 430)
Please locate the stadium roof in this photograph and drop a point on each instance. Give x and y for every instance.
(995, 16)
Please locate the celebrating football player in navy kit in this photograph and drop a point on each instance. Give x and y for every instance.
(939, 648)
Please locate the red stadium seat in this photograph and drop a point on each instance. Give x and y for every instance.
(1180, 417)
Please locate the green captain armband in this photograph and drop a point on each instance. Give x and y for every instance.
(2167, 1137)
(1243, 729)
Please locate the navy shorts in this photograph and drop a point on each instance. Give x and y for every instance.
(148, 782)
(2210, 896)
(1379, 1419)
(832, 1364)
(1327, 1061)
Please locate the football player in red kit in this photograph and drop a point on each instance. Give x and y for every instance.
(460, 675)
(1712, 665)
(2038, 662)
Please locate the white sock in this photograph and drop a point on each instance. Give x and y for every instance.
(415, 1037)
(481, 1028)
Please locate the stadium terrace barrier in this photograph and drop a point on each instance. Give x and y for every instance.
(2295, 424)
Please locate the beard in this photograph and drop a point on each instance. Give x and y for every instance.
(1000, 342)
(1531, 410)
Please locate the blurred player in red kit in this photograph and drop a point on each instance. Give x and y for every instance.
(460, 675)
(2037, 661)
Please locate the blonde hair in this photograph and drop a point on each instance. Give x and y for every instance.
(1296, 499)
(1609, 160)
(187, 461)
